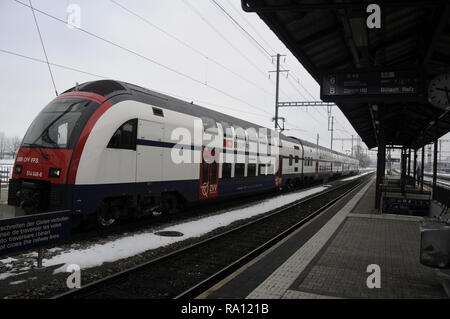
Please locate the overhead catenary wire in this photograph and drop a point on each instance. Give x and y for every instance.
(190, 47)
(267, 54)
(146, 58)
(65, 67)
(252, 27)
(43, 48)
(223, 37)
(259, 47)
(222, 9)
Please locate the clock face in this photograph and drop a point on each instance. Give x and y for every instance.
(439, 91)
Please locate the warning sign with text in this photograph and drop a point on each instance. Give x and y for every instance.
(27, 232)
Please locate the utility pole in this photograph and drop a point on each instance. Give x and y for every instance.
(276, 118)
(331, 128)
(277, 91)
(352, 146)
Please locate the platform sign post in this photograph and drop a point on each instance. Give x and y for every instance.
(40, 257)
(34, 231)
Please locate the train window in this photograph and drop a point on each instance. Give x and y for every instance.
(62, 134)
(226, 170)
(239, 132)
(262, 169)
(296, 158)
(55, 126)
(125, 136)
(251, 134)
(239, 170)
(227, 132)
(290, 160)
(251, 170)
(296, 169)
(158, 112)
(209, 125)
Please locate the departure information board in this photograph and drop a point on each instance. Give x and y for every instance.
(370, 85)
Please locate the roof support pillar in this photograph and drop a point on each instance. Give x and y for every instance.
(409, 161)
(381, 158)
(423, 167)
(403, 170)
(435, 166)
(415, 168)
(435, 157)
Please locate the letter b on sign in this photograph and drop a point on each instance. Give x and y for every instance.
(374, 279)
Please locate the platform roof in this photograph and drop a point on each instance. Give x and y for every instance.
(332, 35)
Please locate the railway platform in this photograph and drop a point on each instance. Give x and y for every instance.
(333, 255)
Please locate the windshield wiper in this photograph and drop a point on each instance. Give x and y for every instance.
(44, 155)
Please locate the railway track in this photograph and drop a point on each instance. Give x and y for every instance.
(91, 232)
(187, 272)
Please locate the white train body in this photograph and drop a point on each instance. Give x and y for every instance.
(126, 146)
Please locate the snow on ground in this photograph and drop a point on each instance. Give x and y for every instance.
(357, 176)
(131, 245)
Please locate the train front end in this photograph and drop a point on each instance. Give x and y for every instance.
(45, 166)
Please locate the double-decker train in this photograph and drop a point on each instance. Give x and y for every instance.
(109, 149)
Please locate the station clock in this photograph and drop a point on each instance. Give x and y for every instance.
(439, 91)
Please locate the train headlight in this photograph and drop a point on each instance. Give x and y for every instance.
(18, 169)
(54, 172)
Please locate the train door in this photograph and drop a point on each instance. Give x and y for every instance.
(316, 175)
(209, 176)
(149, 162)
(279, 173)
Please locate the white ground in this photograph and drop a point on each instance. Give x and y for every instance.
(359, 175)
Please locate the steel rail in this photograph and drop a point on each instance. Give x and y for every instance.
(99, 285)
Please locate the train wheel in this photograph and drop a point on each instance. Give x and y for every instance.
(107, 215)
(170, 204)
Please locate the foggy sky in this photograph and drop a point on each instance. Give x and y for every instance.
(26, 85)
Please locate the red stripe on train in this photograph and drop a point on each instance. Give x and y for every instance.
(105, 105)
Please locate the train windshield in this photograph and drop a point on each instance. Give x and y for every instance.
(54, 127)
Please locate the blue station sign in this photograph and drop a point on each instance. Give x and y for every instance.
(34, 231)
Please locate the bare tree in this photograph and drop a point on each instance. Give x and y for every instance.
(2, 144)
(13, 144)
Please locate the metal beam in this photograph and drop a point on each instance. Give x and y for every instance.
(305, 103)
(437, 33)
(415, 168)
(258, 6)
(423, 167)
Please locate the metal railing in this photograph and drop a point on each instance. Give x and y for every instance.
(5, 173)
(442, 195)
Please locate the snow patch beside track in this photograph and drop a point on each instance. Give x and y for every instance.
(129, 246)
